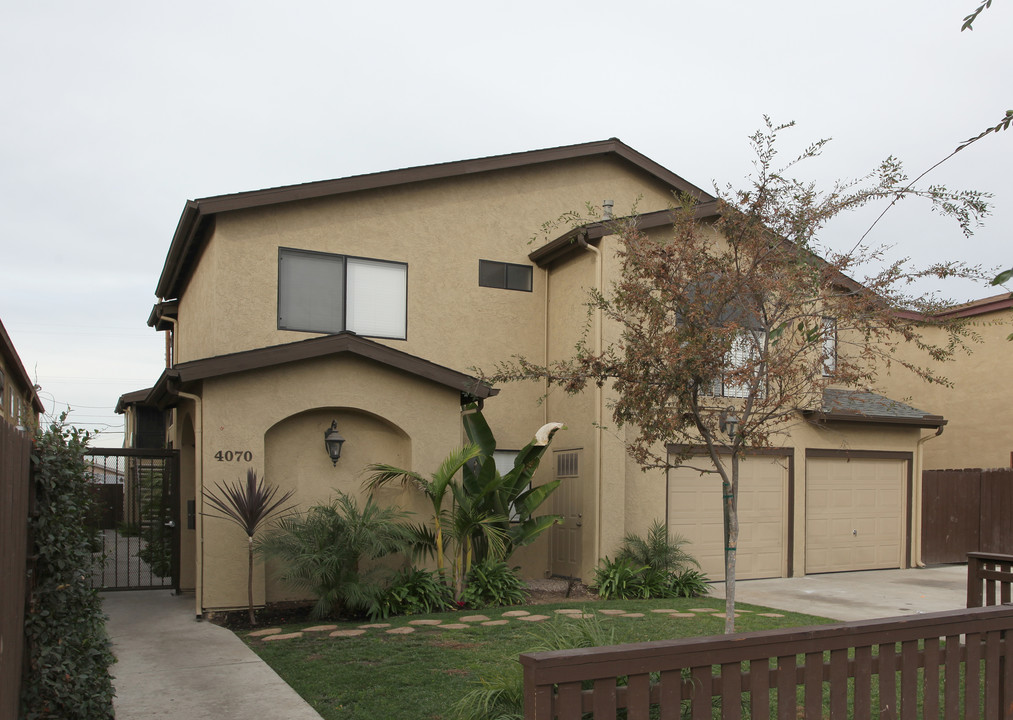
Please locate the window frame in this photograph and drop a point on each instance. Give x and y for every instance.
(828, 346)
(528, 269)
(283, 250)
(719, 386)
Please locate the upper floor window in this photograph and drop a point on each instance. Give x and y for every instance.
(829, 348)
(507, 276)
(327, 293)
(746, 348)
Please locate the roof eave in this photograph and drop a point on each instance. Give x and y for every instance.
(926, 421)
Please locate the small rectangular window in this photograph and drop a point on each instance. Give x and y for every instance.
(506, 276)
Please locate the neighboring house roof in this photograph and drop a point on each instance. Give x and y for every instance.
(868, 407)
(192, 231)
(137, 397)
(162, 394)
(994, 303)
(13, 363)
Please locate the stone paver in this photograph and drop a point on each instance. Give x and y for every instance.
(632, 615)
(400, 631)
(283, 636)
(770, 615)
(474, 618)
(265, 631)
(454, 626)
(491, 623)
(612, 611)
(669, 611)
(533, 618)
(348, 633)
(516, 613)
(681, 615)
(703, 610)
(569, 611)
(424, 622)
(375, 625)
(320, 628)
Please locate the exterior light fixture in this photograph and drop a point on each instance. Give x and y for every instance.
(730, 423)
(333, 442)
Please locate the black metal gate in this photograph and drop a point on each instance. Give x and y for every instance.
(135, 518)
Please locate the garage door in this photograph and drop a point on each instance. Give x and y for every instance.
(694, 511)
(854, 514)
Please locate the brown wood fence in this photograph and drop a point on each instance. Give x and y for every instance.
(966, 511)
(15, 489)
(989, 579)
(908, 667)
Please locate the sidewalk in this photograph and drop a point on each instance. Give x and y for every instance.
(171, 666)
(859, 595)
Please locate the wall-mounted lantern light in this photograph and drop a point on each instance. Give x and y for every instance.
(730, 423)
(333, 441)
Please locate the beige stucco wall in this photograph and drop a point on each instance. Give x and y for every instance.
(979, 405)
(280, 416)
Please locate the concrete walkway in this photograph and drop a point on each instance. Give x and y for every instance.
(859, 595)
(171, 666)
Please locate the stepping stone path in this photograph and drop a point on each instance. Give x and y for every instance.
(505, 618)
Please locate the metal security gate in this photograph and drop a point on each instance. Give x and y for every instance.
(135, 518)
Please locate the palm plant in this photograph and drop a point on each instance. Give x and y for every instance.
(659, 551)
(249, 506)
(324, 549)
(436, 488)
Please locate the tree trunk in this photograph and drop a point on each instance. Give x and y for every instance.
(731, 527)
(249, 584)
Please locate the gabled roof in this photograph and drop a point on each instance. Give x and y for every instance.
(868, 407)
(995, 303)
(14, 365)
(194, 224)
(175, 378)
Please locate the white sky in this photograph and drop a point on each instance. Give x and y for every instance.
(115, 113)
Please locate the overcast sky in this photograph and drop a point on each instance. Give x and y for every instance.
(115, 113)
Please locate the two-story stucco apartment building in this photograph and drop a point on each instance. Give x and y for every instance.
(367, 302)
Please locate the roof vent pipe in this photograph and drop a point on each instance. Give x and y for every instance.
(606, 207)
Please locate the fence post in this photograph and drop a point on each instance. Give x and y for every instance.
(974, 564)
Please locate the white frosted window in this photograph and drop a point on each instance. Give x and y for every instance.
(327, 293)
(377, 298)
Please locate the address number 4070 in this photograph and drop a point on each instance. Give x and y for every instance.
(234, 456)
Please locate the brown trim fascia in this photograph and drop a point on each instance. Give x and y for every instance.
(137, 397)
(17, 368)
(984, 306)
(331, 345)
(187, 235)
(702, 450)
(858, 454)
(593, 232)
(926, 421)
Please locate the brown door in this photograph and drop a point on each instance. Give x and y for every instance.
(567, 500)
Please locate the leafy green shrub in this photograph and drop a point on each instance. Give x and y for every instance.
(325, 550)
(68, 650)
(493, 583)
(658, 550)
(618, 579)
(412, 592)
(650, 567)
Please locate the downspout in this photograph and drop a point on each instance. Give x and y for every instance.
(545, 350)
(599, 396)
(916, 526)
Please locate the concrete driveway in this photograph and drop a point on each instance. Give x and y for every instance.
(859, 595)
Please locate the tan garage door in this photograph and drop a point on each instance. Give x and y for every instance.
(854, 514)
(694, 511)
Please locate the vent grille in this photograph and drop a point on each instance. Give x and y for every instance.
(566, 464)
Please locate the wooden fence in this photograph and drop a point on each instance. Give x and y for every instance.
(15, 489)
(989, 579)
(965, 511)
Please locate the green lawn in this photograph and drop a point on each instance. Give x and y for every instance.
(419, 676)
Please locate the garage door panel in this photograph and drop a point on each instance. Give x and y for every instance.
(862, 527)
(695, 512)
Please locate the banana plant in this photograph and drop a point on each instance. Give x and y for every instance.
(509, 496)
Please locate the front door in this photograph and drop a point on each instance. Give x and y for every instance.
(565, 538)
